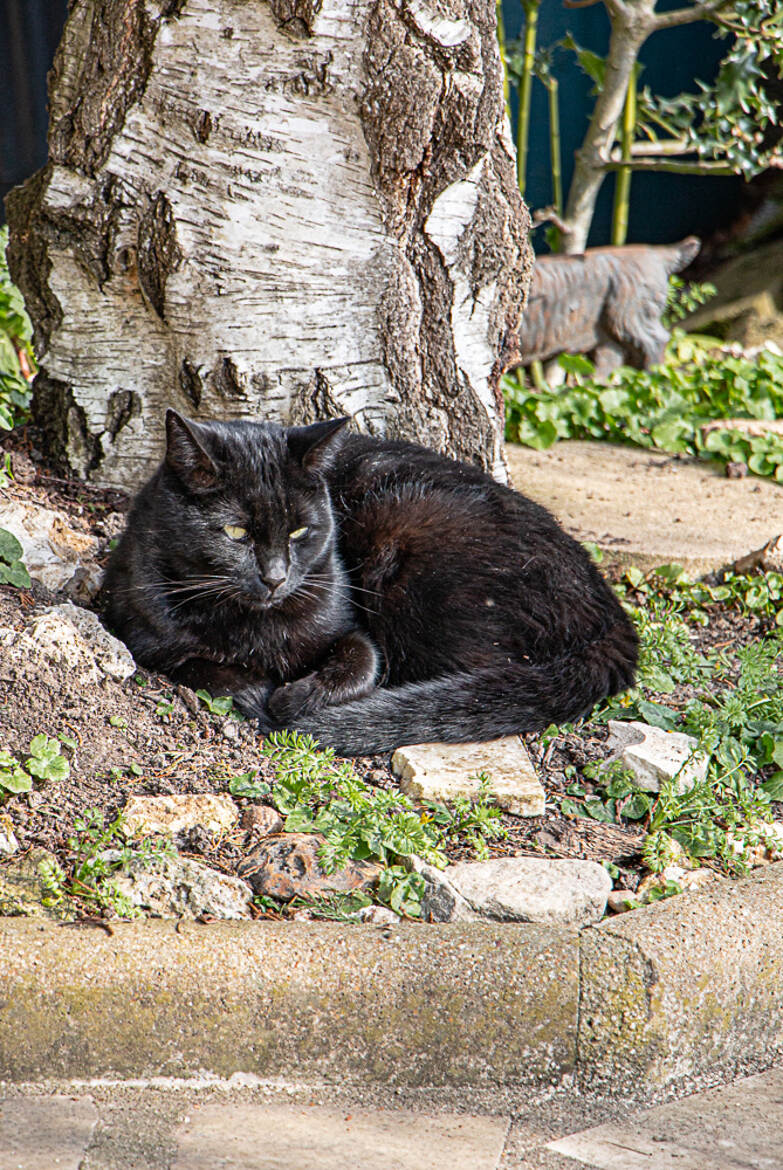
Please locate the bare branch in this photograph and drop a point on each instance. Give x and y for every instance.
(549, 215)
(580, 3)
(673, 168)
(679, 16)
(666, 146)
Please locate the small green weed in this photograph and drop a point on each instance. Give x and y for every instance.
(16, 355)
(663, 408)
(683, 298)
(477, 820)
(316, 794)
(89, 876)
(246, 785)
(45, 761)
(13, 778)
(12, 571)
(222, 705)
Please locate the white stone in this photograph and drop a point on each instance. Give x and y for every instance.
(52, 551)
(53, 637)
(113, 656)
(517, 889)
(72, 639)
(177, 887)
(655, 755)
(178, 813)
(8, 842)
(379, 916)
(442, 772)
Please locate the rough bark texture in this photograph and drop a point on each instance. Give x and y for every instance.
(273, 208)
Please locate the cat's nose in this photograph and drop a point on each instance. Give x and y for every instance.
(273, 583)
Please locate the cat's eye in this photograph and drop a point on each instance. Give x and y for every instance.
(235, 531)
(298, 533)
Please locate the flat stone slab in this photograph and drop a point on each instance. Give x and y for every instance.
(645, 508)
(443, 772)
(280, 1137)
(45, 1133)
(732, 1128)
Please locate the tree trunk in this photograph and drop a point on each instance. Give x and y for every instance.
(280, 209)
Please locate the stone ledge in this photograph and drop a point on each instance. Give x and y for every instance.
(412, 1005)
(687, 990)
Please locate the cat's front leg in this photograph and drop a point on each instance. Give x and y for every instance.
(348, 672)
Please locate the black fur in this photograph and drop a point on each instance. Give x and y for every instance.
(426, 602)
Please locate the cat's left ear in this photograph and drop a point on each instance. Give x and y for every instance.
(316, 446)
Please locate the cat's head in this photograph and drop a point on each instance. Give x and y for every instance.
(245, 510)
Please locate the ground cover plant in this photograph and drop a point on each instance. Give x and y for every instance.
(728, 698)
(664, 408)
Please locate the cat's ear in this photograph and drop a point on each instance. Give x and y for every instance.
(186, 456)
(316, 446)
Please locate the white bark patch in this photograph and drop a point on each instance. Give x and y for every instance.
(281, 285)
(437, 27)
(449, 225)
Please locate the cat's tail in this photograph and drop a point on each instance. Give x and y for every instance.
(503, 699)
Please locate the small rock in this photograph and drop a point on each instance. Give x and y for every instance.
(769, 558)
(379, 916)
(113, 656)
(8, 842)
(175, 887)
(736, 470)
(618, 901)
(287, 866)
(517, 889)
(654, 755)
(178, 814)
(261, 820)
(22, 888)
(53, 638)
(434, 771)
(51, 549)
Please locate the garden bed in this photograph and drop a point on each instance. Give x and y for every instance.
(142, 736)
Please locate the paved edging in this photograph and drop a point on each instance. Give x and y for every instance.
(689, 988)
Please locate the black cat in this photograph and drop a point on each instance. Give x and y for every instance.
(369, 592)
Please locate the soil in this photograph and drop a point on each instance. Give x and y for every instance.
(148, 737)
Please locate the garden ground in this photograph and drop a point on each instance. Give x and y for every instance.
(144, 736)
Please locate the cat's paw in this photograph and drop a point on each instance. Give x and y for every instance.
(301, 697)
(252, 702)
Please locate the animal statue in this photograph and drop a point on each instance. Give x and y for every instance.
(606, 303)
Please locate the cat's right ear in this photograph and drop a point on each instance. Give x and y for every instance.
(316, 446)
(185, 455)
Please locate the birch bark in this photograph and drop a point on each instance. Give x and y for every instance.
(282, 209)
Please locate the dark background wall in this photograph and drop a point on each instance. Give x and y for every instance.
(663, 207)
(29, 33)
